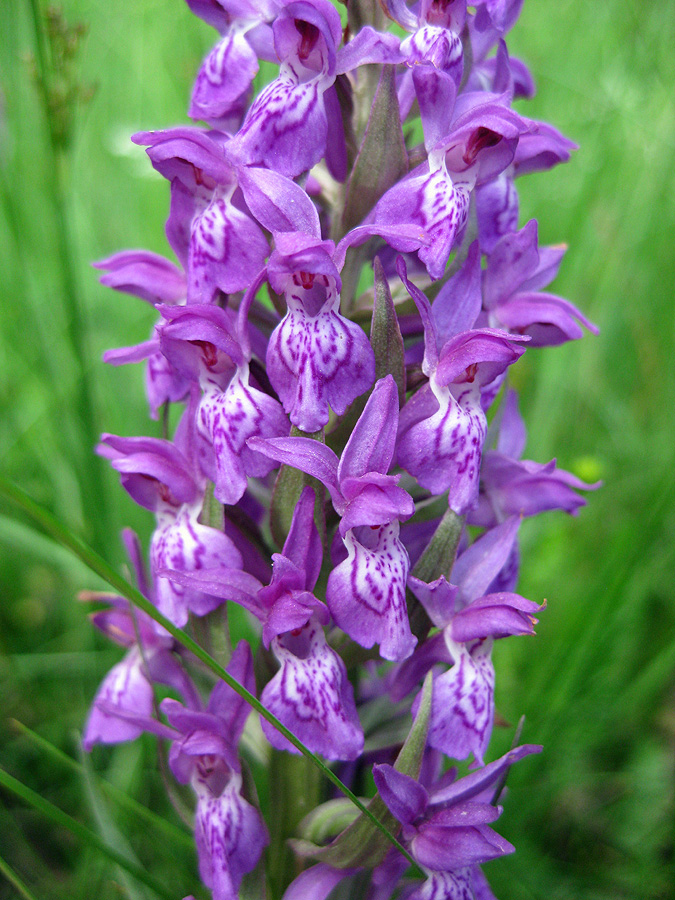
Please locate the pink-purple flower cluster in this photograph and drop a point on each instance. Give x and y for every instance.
(358, 493)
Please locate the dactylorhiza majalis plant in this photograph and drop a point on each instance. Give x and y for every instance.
(351, 291)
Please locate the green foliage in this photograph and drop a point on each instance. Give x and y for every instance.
(591, 817)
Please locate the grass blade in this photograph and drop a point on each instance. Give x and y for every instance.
(109, 831)
(14, 880)
(59, 817)
(115, 794)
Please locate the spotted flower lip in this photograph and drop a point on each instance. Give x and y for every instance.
(366, 592)
(213, 347)
(226, 75)
(287, 126)
(312, 695)
(317, 359)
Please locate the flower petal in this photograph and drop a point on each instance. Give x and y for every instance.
(313, 697)
(366, 592)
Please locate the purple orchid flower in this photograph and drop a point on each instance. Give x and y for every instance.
(517, 268)
(226, 75)
(470, 620)
(211, 233)
(443, 426)
(206, 342)
(447, 827)
(149, 659)
(310, 693)
(434, 43)
(160, 477)
(156, 280)
(316, 358)
(366, 592)
(287, 126)
(229, 831)
(296, 120)
(469, 139)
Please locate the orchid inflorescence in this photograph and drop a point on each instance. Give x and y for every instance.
(358, 494)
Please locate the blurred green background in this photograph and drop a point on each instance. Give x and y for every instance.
(593, 816)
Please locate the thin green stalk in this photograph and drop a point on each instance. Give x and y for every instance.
(81, 831)
(95, 508)
(295, 793)
(14, 880)
(100, 567)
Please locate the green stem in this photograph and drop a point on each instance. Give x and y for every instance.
(437, 559)
(294, 792)
(100, 567)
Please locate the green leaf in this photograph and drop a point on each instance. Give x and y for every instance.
(385, 334)
(382, 158)
(360, 844)
(328, 820)
(98, 565)
(439, 555)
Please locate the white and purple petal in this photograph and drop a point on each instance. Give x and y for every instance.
(443, 450)
(180, 543)
(126, 686)
(312, 696)
(317, 363)
(226, 74)
(366, 592)
(228, 420)
(226, 246)
(455, 885)
(230, 837)
(432, 201)
(286, 127)
(462, 706)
